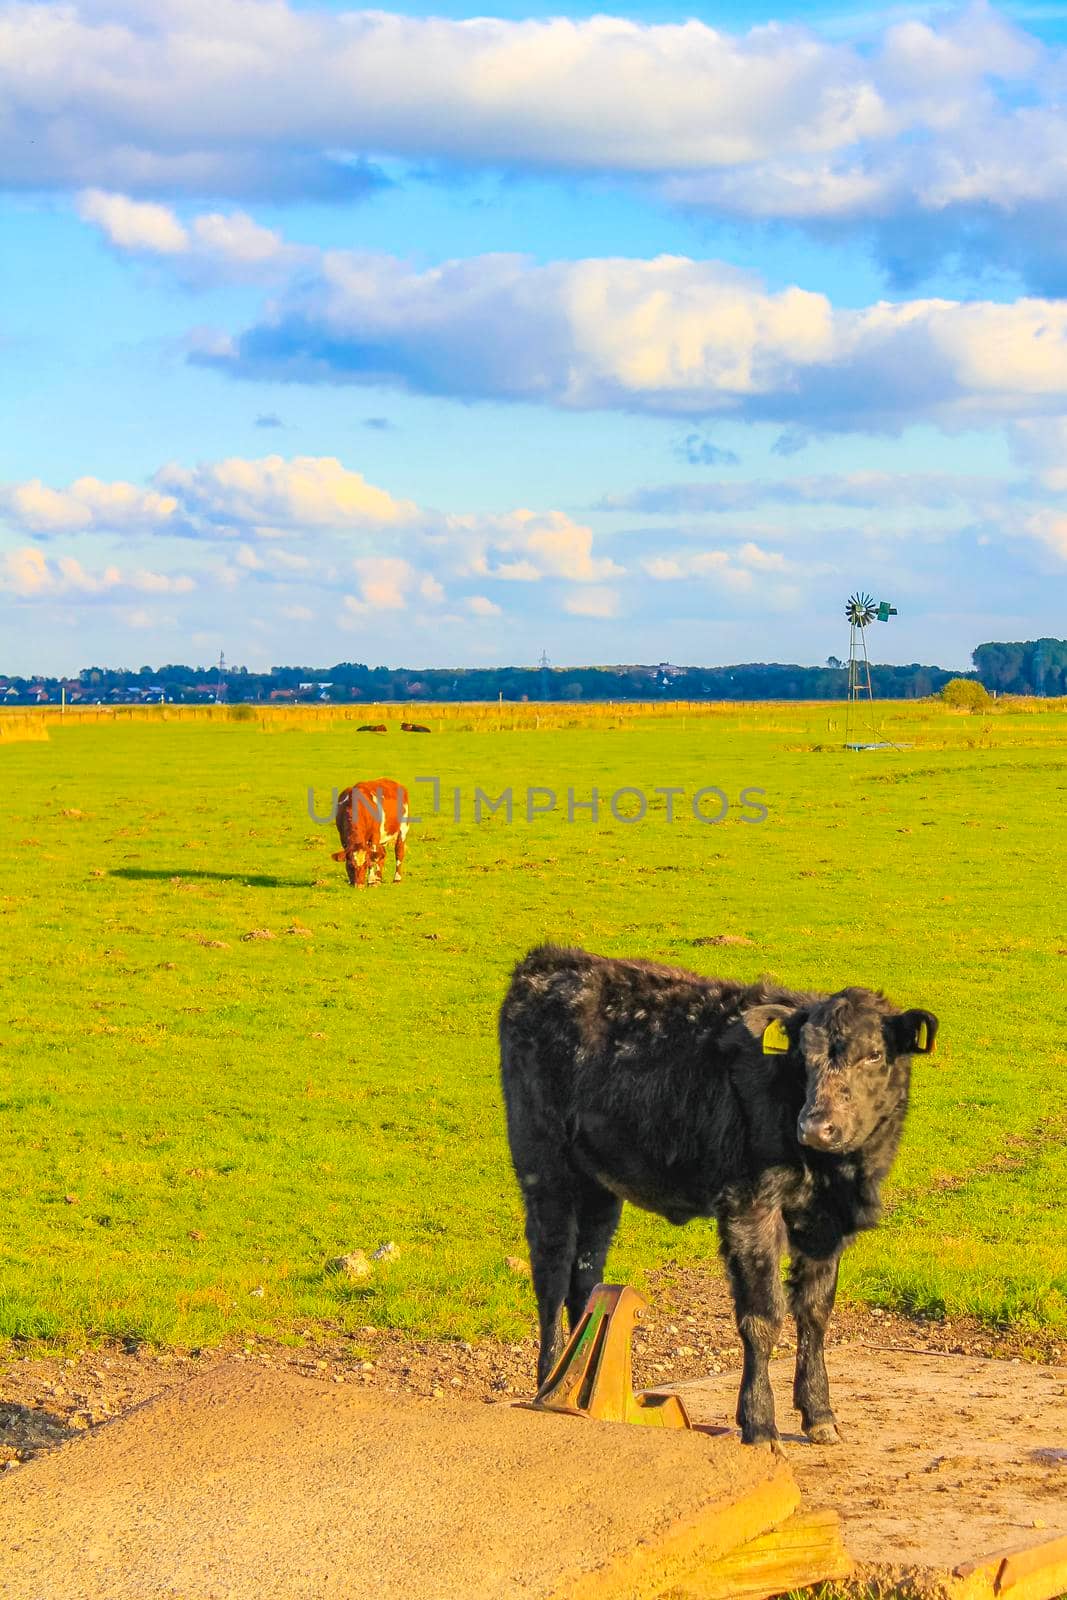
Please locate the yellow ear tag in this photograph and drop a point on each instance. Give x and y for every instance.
(922, 1035)
(775, 1039)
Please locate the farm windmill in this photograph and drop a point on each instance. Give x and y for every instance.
(861, 611)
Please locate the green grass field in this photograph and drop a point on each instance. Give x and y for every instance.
(193, 1123)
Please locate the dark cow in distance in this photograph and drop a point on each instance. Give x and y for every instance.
(776, 1112)
(371, 816)
(372, 727)
(413, 727)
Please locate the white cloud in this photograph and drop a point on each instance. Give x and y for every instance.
(663, 568)
(1049, 528)
(311, 539)
(67, 575)
(668, 335)
(751, 555)
(87, 505)
(741, 571)
(592, 603)
(602, 92)
(239, 239)
(390, 583)
(201, 97)
(26, 572)
(953, 126)
(132, 224)
(867, 489)
(276, 495)
(160, 582)
(250, 512)
(143, 620)
(384, 584)
(718, 567)
(789, 190)
(214, 247)
(525, 546)
(29, 574)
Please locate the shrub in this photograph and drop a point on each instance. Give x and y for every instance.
(241, 713)
(965, 694)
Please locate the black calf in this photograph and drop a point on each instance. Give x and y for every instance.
(778, 1113)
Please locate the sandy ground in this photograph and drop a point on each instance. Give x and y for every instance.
(252, 1484)
(944, 1458)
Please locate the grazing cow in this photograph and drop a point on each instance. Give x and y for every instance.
(413, 727)
(776, 1112)
(370, 816)
(372, 727)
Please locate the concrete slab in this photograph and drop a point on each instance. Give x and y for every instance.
(252, 1484)
(945, 1459)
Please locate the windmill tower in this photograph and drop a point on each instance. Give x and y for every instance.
(861, 611)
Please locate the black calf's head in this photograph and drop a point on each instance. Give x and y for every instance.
(855, 1051)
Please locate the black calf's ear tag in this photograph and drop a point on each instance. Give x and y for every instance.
(917, 1032)
(775, 1039)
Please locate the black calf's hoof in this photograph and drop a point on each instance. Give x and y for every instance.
(823, 1433)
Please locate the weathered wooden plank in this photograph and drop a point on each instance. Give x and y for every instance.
(655, 1564)
(805, 1549)
(1035, 1572)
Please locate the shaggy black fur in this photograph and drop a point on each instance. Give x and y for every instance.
(624, 1080)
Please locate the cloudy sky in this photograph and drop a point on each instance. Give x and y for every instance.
(423, 338)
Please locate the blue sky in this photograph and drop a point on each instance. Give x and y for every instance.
(402, 337)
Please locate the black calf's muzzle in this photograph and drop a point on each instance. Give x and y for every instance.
(819, 1133)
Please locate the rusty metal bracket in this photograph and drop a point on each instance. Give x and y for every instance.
(592, 1378)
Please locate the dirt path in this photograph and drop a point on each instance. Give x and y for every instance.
(945, 1458)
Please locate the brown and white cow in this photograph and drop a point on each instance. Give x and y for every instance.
(370, 816)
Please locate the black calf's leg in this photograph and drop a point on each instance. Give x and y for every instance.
(812, 1287)
(598, 1217)
(552, 1235)
(751, 1245)
(549, 1192)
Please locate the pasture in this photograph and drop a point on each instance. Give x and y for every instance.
(220, 1067)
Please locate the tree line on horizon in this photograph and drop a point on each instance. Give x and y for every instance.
(1034, 667)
